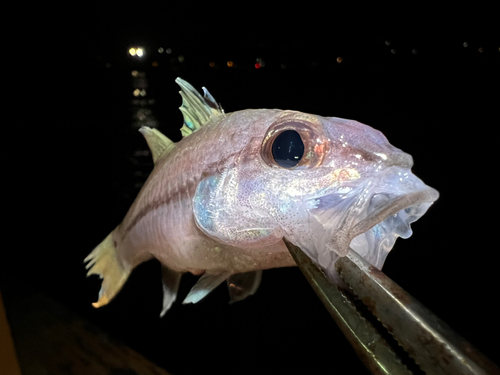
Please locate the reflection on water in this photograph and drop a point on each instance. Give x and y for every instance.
(142, 105)
(142, 108)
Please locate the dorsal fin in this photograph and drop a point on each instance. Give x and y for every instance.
(197, 110)
(158, 143)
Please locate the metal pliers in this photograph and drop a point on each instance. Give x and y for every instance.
(364, 303)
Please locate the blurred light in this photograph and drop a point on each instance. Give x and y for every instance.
(181, 58)
(414, 51)
(160, 50)
(132, 51)
(257, 65)
(155, 64)
(259, 59)
(108, 65)
(139, 52)
(212, 64)
(230, 64)
(168, 50)
(283, 66)
(481, 50)
(339, 59)
(143, 92)
(137, 92)
(393, 51)
(387, 42)
(135, 73)
(465, 44)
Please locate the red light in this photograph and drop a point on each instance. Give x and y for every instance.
(257, 65)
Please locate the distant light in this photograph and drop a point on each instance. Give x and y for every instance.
(212, 64)
(339, 59)
(132, 51)
(180, 58)
(465, 44)
(283, 66)
(387, 43)
(139, 52)
(108, 65)
(262, 64)
(259, 59)
(168, 50)
(143, 92)
(481, 50)
(257, 65)
(155, 64)
(393, 51)
(161, 50)
(414, 51)
(135, 73)
(137, 92)
(230, 64)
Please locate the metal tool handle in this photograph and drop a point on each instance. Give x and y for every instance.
(434, 346)
(371, 348)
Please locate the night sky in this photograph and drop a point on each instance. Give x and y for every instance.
(428, 80)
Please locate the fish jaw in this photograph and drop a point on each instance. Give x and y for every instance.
(367, 216)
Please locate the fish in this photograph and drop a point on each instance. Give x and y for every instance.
(220, 202)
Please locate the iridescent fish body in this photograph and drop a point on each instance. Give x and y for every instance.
(219, 202)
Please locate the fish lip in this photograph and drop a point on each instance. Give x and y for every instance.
(342, 238)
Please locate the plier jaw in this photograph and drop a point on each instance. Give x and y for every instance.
(391, 332)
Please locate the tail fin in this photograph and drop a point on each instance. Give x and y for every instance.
(103, 261)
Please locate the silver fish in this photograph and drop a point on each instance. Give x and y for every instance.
(219, 202)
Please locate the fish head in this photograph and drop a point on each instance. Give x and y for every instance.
(323, 183)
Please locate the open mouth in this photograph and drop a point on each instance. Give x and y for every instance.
(374, 237)
(367, 216)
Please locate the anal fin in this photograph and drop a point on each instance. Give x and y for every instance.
(205, 284)
(170, 280)
(242, 285)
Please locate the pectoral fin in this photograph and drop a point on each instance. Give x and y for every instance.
(205, 285)
(242, 285)
(170, 280)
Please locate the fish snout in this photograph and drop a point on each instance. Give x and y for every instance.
(399, 159)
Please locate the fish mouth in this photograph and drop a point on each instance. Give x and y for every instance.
(374, 236)
(367, 216)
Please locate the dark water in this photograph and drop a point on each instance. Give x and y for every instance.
(439, 106)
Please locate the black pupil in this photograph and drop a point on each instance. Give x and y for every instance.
(288, 149)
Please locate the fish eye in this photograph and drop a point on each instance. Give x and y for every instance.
(288, 149)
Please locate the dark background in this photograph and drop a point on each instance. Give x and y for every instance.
(406, 72)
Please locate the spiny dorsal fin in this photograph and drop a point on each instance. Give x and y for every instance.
(197, 110)
(158, 143)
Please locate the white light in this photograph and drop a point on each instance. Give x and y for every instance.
(132, 51)
(160, 50)
(137, 92)
(465, 44)
(139, 52)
